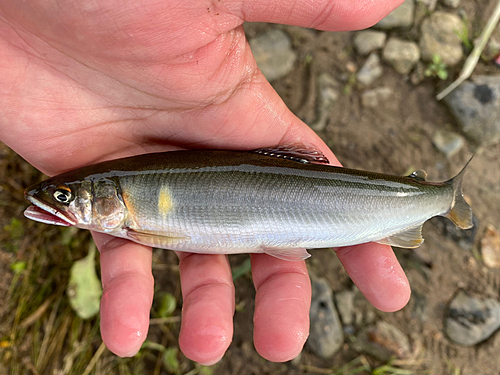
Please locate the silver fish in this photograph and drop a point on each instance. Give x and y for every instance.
(278, 201)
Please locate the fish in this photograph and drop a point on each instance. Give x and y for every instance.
(278, 200)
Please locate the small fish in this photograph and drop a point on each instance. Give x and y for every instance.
(280, 201)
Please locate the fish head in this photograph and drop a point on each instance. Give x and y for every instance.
(88, 204)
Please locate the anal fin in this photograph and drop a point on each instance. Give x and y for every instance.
(408, 239)
(155, 239)
(291, 254)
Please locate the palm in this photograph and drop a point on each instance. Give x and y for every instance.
(81, 82)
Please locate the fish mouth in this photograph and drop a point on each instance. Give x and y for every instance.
(44, 213)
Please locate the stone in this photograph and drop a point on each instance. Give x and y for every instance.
(401, 54)
(326, 335)
(367, 41)
(451, 3)
(345, 306)
(402, 16)
(370, 71)
(449, 143)
(374, 98)
(476, 107)
(470, 320)
(440, 36)
(327, 96)
(273, 53)
(490, 247)
(383, 341)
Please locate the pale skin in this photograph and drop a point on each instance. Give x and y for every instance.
(85, 81)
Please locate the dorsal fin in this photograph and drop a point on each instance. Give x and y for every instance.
(296, 152)
(419, 175)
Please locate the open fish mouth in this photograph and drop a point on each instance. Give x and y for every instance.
(44, 213)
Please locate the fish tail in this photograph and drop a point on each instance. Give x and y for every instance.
(460, 212)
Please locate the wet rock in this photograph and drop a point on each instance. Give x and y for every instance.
(273, 53)
(327, 96)
(370, 71)
(449, 143)
(490, 247)
(383, 341)
(374, 98)
(402, 16)
(476, 107)
(451, 3)
(463, 237)
(326, 335)
(439, 36)
(369, 40)
(345, 306)
(470, 320)
(401, 54)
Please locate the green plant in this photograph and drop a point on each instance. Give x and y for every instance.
(437, 68)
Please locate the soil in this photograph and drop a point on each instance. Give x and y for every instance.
(392, 138)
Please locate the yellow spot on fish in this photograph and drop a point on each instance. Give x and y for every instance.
(165, 203)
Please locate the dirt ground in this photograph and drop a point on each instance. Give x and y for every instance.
(392, 138)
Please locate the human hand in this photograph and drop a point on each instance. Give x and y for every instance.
(82, 82)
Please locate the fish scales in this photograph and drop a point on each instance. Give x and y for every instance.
(232, 202)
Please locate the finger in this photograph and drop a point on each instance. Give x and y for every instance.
(282, 301)
(127, 293)
(333, 15)
(378, 275)
(208, 307)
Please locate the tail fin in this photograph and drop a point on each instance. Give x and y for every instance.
(460, 213)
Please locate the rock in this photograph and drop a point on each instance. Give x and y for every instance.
(374, 98)
(451, 3)
(476, 107)
(383, 341)
(370, 71)
(430, 4)
(402, 16)
(449, 143)
(345, 306)
(326, 335)
(464, 237)
(327, 96)
(401, 54)
(273, 53)
(439, 36)
(490, 247)
(470, 320)
(369, 40)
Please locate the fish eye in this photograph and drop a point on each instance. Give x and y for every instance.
(62, 195)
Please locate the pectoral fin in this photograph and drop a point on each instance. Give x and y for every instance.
(291, 254)
(155, 239)
(409, 239)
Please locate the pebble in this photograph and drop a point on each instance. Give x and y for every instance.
(401, 54)
(470, 320)
(370, 71)
(327, 96)
(490, 247)
(452, 3)
(274, 54)
(374, 98)
(476, 107)
(345, 306)
(367, 41)
(383, 341)
(402, 16)
(439, 37)
(449, 143)
(464, 237)
(326, 335)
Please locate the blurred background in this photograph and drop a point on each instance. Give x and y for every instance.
(371, 96)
